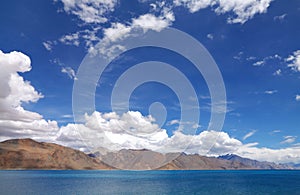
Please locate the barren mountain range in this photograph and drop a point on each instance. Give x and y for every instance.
(30, 154)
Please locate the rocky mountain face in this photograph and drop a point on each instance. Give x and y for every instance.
(149, 160)
(29, 154)
(136, 159)
(195, 162)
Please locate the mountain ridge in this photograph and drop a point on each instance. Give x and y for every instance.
(30, 154)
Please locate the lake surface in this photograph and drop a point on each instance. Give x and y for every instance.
(150, 182)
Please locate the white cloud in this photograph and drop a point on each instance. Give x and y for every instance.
(280, 18)
(108, 46)
(70, 72)
(294, 61)
(288, 139)
(273, 58)
(205, 97)
(15, 121)
(259, 63)
(87, 36)
(277, 72)
(243, 9)
(173, 122)
(270, 92)
(67, 116)
(194, 6)
(275, 131)
(90, 11)
(284, 155)
(251, 58)
(134, 131)
(70, 39)
(160, 16)
(65, 69)
(47, 45)
(152, 22)
(110, 130)
(210, 36)
(116, 31)
(249, 134)
(113, 131)
(297, 97)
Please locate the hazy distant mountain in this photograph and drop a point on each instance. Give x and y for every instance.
(29, 154)
(254, 163)
(146, 159)
(293, 165)
(196, 162)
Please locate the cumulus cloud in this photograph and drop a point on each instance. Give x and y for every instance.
(151, 22)
(243, 10)
(284, 155)
(297, 98)
(113, 131)
(116, 31)
(90, 11)
(15, 121)
(134, 131)
(129, 130)
(294, 61)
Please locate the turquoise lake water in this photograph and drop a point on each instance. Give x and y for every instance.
(150, 182)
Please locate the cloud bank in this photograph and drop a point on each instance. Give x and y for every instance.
(15, 121)
(110, 130)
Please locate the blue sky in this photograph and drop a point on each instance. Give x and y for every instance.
(255, 44)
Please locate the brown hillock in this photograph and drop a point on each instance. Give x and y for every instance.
(30, 154)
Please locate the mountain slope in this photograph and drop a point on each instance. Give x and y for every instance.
(254, 163)
(30, 154)
(197, 162)
(149, 160)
